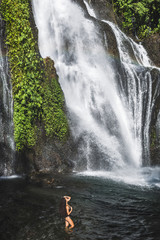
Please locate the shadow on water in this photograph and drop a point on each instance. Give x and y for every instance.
(102, 209)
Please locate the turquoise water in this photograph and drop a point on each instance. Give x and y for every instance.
(102, 209)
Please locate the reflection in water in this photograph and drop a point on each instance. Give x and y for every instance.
(103, 209)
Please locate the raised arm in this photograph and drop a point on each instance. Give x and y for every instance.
(67, 198)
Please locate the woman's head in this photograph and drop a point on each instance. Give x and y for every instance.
(67, 198)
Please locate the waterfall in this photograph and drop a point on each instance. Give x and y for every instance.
(7, 145)
(109, 110)
(139, 87)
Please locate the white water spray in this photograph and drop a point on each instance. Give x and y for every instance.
(138, 86)
(6, 116)
(103, 121)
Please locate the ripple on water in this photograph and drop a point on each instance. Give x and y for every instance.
(102, 209)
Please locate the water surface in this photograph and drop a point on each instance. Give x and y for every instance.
(102, 209)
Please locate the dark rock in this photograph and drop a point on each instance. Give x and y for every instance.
(152, 45)
(104, 9)
(155, 118)
(49, 154)
(6, 117)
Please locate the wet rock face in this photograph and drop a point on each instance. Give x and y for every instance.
(103, 9)
(6, 116)
(152, 44)
(155, 120)
(49, 154)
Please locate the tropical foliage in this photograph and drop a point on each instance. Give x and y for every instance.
(53, 114)
(27, 74)
(142, 17)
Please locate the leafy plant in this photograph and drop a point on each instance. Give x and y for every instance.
(53, 115)
(27, 74)
(140, 17)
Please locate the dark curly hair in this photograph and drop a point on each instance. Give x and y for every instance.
(62, 208)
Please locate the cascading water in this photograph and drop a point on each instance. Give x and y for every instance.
(139, 87)
(7, 145)
(106, 112)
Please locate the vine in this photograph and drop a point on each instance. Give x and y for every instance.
(27, 74)
(53, 115)
(140, 17)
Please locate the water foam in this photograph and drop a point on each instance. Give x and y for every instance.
(144, 177)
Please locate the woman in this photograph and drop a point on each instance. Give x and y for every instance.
(65, 210)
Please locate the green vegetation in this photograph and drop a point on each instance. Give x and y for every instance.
(31, 100)
(53, 115)
(142, 17)
(153, 138)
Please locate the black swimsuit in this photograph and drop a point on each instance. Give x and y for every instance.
(66, 212)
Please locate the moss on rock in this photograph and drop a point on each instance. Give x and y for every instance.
(53, 105)
(37, 95)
